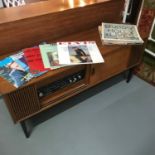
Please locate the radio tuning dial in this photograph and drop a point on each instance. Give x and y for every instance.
(61, 83)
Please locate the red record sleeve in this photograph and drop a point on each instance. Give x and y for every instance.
(34, 59)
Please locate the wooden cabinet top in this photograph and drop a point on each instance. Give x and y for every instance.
(44, 7)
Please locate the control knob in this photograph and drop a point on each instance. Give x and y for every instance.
(74, 79)
(70, 80)
(41, 94)
(79, 77)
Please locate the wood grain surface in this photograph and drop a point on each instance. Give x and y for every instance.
(54, 21)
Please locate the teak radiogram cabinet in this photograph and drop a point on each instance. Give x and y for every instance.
(52, 21)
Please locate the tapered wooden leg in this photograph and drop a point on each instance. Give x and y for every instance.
(129, 75)
(27, 128)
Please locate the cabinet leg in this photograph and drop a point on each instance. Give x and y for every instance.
(27, 128)
(129, 75)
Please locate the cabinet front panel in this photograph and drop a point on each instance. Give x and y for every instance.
(115, 63)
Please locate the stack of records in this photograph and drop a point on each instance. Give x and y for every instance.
(35, 61)
(122, 34)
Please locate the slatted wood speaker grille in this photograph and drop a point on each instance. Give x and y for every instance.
(23, 103)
